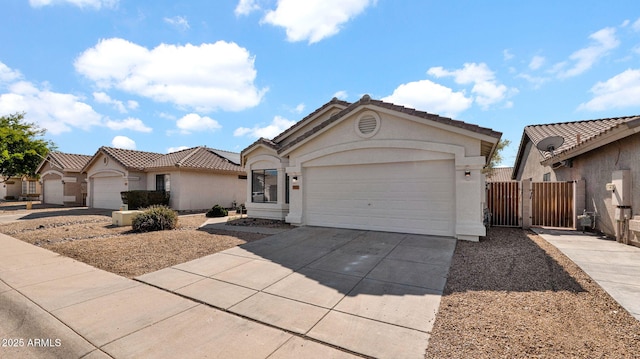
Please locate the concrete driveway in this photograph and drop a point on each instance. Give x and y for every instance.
(304, 293)
(369, 293)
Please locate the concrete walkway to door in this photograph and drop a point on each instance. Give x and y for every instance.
(614, 266)
(369, 293)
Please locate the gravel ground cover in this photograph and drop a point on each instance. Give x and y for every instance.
(513, 295)
(88, 236)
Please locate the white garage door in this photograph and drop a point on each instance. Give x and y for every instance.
(407, 197)
(53, 191)
(106, 192)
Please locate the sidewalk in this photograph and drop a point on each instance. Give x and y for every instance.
(54, 307)
(614, 266)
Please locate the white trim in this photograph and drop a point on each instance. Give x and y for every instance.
(52, 172)
(119, 173)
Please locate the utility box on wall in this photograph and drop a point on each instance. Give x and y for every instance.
(621, 195)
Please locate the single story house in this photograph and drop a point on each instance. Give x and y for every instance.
(11, 189)
(197, 178)
(373, 165)
(62, 179)
(602, 153)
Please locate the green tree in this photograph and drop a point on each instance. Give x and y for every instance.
(496, 158)
(22, 147)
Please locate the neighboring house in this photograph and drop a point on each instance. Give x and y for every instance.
(197, 178)
(594, 151)
(11, 188)
(373, 165)
(62, 179)
(500, 174)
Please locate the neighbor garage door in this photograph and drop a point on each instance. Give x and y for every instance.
(408, 197)
(106, 192)
(53, 191)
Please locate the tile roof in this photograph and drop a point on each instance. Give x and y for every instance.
(68, 161)
(197, 158)
(500, 174)
(332, 102)
(576, 133)
(131, 159)
(366, 100)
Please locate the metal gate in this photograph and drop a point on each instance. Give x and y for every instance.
(503, 201)
(552, 204)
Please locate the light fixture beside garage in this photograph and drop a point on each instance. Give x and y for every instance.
(467, 174)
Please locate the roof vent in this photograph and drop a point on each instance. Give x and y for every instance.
(368, 124)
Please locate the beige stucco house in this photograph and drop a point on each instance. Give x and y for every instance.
(197, 178)
(595, 153)
(373, 165)
(62, 179)
(11, 189)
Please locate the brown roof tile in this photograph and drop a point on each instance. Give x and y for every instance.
(132, 159)
(197, 158)
(366, 100)
(334, 101)
(574, 133)
(68, 161)
(500, 174)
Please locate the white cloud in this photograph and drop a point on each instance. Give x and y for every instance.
(133, 124)
(486, 89)
(102, 97)
(123, 142)
(7, 75)
(205, 77)
(96, 4)
(314, 20)
(245, 7)
(277, 126)
(194, 122)
(298, 109)
(132, 105)
(176, 149)
(429, 96)
(636, 25)
(179, 22)
(507, 55)
(622, 90)
(54, 111)
(582, 60)
(536, 81)
(342, 95)
(536, 62)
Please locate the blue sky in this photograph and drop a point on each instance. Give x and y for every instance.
(163, 75)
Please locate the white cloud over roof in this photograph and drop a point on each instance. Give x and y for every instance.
(604, 41)
(313, 20)
(194, 122)
(205, 77)
(429, 96)
(123, 142)
(622, 90)
(277, 126)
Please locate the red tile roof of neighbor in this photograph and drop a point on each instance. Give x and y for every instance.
(576, 133)
(68, 161)
(202, 158)
(500, 174)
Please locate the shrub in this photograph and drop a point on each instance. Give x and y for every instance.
(155, 218)
(217, 211)
(142, 199)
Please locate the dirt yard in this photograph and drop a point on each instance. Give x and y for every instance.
(513, 295)
(88, 236)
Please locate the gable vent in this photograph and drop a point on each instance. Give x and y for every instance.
(367, 125)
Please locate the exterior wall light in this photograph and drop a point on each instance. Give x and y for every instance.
(467, 174)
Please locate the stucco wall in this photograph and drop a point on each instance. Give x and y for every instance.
(191, 190)
(596, 168)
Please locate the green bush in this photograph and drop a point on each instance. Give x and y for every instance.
(155, 218)
(217, 211)
(142, 199)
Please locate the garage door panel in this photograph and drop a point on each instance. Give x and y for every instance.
(53, 191)
(106, 192)
(411, 197)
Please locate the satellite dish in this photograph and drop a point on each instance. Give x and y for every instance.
(550, 144)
